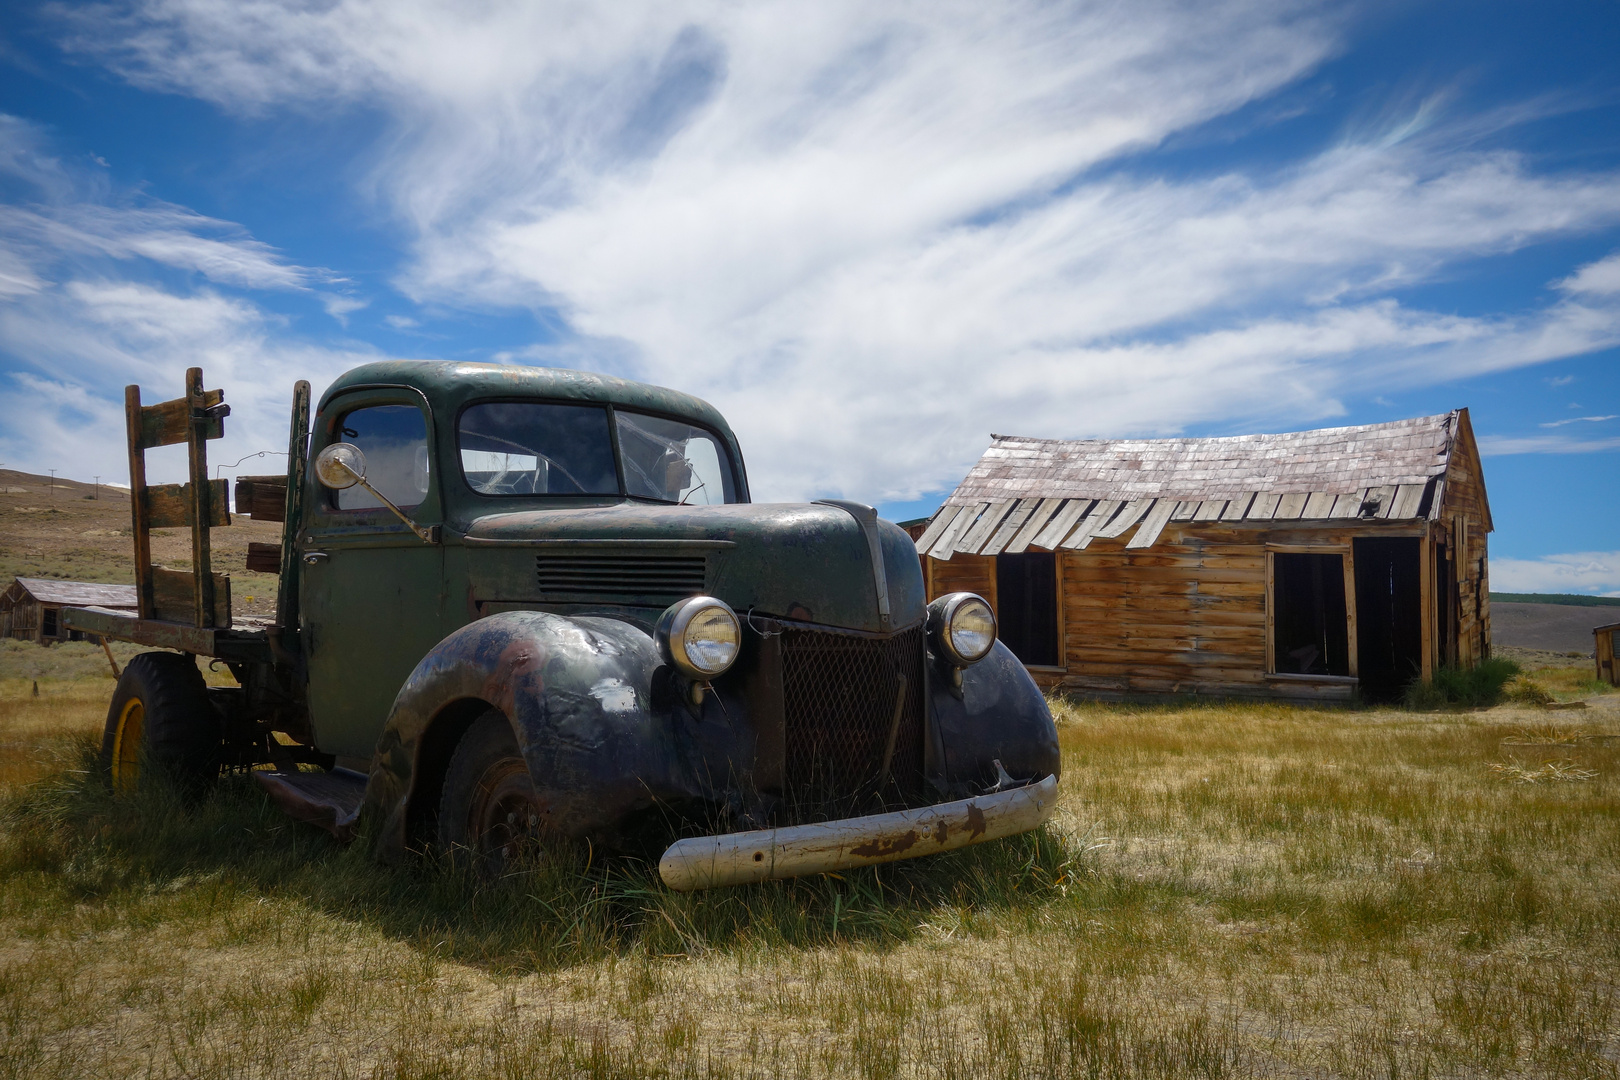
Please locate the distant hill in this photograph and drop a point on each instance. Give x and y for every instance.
(1570, 599)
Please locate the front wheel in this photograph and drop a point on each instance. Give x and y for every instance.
(489, 814)
(161, 714)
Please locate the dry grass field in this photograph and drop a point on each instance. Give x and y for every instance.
(1228, 890)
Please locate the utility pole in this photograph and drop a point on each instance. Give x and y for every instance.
(97, 495)
(53, 483)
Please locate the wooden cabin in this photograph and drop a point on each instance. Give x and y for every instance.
(1604, 640)
(1304, 565)
(29, 608)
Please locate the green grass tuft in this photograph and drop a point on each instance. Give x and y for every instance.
(1473, 687)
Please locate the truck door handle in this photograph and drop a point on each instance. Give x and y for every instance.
(313, 557)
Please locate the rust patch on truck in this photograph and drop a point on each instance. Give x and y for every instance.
(975, 818)
(877, 849)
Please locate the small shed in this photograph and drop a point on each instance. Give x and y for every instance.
(1604, 640)
(30, 607)
(1307, 564)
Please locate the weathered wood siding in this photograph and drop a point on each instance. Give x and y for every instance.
(1465, 518)
(1187, 616)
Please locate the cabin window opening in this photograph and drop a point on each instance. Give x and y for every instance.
(1310, 628)
(47, 618)
(1026, 607)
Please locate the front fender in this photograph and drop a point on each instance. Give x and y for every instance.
(1000, 714)
(578, 694)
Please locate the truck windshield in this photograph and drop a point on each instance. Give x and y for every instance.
(540, 448)
(673, 461)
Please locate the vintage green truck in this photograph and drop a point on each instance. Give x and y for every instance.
(521, 606)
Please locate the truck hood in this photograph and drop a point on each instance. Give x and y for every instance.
(801, 561)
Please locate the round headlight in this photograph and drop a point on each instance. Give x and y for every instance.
(700, 637)
(963, 627)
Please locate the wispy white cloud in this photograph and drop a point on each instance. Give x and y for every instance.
(82, 314)
(872, 235)
(1581, 419)
(1591, 572)
(1502, 445)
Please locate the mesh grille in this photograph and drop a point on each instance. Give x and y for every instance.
(658, 580)
(839, 694)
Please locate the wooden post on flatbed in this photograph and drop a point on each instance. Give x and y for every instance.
(200, 598)
(139, 529)
(197, 453)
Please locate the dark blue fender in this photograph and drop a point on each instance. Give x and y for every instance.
(1000, 714)
(578, 694)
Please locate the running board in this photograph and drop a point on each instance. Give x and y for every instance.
(330, 800)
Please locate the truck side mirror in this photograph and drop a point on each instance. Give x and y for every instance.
(343, 465)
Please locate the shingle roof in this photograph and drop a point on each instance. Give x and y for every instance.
(1055, 492)
(79, 593)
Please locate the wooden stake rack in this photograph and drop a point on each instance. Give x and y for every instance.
(198, 597)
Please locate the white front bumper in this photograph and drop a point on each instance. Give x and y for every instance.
(703, 862)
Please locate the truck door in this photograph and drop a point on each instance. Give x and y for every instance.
(371, 591)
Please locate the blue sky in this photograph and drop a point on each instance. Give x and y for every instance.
(871, 234)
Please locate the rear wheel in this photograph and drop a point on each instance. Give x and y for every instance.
(489, 815)
(161, 715)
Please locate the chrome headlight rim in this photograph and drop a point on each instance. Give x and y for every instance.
(942, 614)
(671, 636)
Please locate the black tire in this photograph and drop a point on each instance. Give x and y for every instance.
(161, 716)
(490, 816)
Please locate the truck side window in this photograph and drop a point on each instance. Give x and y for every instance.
(394, 440)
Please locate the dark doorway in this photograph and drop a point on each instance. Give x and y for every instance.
(1026, 606)
(1389, 615)
(1310, 632)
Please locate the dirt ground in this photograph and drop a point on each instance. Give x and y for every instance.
(80, 532)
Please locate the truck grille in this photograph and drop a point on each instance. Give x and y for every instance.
(839, 697)
(620, 577)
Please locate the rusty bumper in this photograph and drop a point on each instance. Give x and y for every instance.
(703, 862)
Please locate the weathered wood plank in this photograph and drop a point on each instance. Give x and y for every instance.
(169, 506)
(1038, 519)
(1009, 527)
(1185, 509)
(1063, 521)
(175, 594)
(1147, 534)
(1289, 507)
(1095, 518)
(971, 540)
(169, 422)
(1347, 505)
(1129, 515)
(264, 558)
(1264, 507)
(263, 498)
(942, 518)
(1210, 510)
(1238, 508)
(946, 544)
(1407, 499)
(1318, 506)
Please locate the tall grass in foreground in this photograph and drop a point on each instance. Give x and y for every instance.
(1229, 890)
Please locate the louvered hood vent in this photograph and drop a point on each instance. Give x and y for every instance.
(638, 578)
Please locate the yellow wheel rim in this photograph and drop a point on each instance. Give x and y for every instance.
(126, 756)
